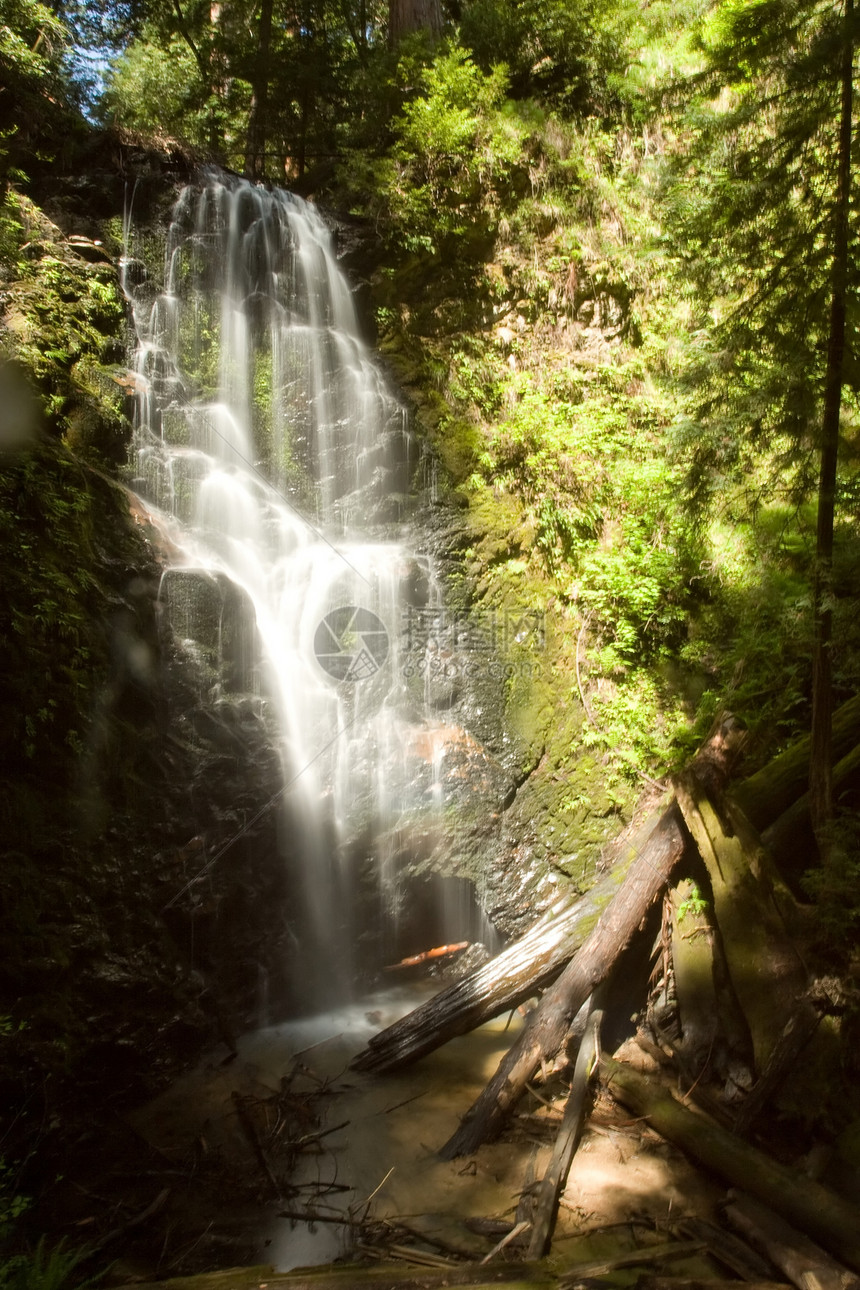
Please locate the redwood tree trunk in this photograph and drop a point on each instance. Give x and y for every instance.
(405, 16)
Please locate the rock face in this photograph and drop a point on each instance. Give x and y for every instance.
(143, 913)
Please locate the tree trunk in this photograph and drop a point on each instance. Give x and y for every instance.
(804, 1202)
(821, 760)
(258, 121)
(405, 16)
(766, 971)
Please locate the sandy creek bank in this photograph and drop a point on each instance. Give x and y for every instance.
(366, 1156)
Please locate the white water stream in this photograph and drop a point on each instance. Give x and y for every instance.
(271, 450)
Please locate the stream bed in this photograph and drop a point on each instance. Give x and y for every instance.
(369, 1168)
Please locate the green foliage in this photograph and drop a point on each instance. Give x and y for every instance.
(536, 451)
(453, 161)
(32, 47)
(65, 330)
(750, 210)
(47, 1268)
(559, 51)
(693, 905)
(157, 88)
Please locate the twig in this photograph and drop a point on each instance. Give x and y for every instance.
(315, 1137)
(365, 1203)
(506, 1240)
(646, 1254)
(543, 1101)
(297, 1216)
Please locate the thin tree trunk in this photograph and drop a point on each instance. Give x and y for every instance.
(255, 153)
(821, 763)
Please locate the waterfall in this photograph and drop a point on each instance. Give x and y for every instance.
(271, 449)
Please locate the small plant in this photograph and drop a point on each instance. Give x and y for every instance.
(46, 1268)
(694, 905)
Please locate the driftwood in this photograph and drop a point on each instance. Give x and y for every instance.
(569, 1134)
(803, 1202)
(427, 956)
(548, 1024)
(523, 969)
(801, 1260)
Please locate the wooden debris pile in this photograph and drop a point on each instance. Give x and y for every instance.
(733, 1012)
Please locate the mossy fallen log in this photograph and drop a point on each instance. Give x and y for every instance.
(764, 796)
(793, 829)
(804, 1202)
(549, 1023)
(767, 973)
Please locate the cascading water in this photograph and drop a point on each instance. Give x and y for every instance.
(268, 442)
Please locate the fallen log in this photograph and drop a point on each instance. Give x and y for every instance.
(521, 970)
(766, 971)
(802, 1201)
(792, 831)
(802, 1261)
(567, 1141)
(548, 1024)
(764, 796)
(427, 956)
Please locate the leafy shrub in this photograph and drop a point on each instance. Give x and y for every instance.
(454, 155)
